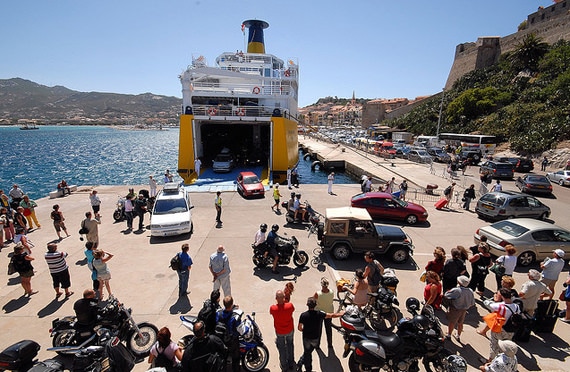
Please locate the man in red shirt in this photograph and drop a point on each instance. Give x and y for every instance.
(282, 313)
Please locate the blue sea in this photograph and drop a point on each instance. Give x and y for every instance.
(97, 155)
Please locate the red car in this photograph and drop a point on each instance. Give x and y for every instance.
(248, 184)
(382, 205)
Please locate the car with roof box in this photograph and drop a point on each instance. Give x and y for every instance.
(349, 230)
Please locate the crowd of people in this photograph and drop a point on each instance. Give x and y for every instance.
(451, 287)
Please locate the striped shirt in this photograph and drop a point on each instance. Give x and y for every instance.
(56, 262)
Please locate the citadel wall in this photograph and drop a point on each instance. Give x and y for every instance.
(551, 24)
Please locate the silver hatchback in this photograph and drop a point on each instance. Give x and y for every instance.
(501, 205)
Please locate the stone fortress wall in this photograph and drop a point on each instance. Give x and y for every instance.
(551, 24)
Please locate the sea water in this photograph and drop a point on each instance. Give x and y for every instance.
(97, 155)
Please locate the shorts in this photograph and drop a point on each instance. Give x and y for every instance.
(456, 316)
(61, 279)
(549, 282)
(59, 226)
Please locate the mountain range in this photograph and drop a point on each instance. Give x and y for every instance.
(26, 101)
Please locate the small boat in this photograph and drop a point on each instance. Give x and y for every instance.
(29, 127)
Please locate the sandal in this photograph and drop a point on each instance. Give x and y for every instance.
(69, 294)
(484, 334)
(58, 294)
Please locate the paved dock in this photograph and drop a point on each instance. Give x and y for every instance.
(142, 279)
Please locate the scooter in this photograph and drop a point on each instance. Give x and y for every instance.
(311, 216)
(286, 248)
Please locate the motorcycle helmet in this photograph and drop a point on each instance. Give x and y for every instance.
(412, 304)
(275, 228)
(292, 195)
(421, 322)
(455, 363)
(263, 227)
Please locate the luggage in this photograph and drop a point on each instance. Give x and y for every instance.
(441, 203)
(19, 356)
(545, 316)
(522, 334)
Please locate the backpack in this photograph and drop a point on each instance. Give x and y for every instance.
(515, 321)
(162, 360)
(208, 315)
(222, 329)
(447, 191)
(175, 263)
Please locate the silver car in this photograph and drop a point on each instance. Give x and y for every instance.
(561, 177)
(501, 205)
(533, 239)
(420, 156)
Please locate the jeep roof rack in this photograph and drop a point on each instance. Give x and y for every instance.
(171, 188)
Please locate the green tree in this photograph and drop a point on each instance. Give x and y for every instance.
(528, 52)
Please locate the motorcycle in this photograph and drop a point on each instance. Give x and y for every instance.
(311, 216)
(419, 337)
(254, 354)
(108, 354)
(286, 248)
(21, 357)
(119, 213)
(68, 338)
(380, 312)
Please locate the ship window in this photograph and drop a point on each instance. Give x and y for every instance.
(267, 72)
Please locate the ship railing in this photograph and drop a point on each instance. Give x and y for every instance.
(216, 111)
(282, 89)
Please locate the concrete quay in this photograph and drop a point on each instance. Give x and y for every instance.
(142, 279)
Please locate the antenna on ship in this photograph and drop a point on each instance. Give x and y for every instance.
(255, 43)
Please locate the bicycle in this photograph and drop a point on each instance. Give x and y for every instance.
(316, 261)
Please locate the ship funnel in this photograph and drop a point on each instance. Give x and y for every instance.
(255, 43)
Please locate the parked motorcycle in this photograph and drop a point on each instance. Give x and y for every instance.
(68, 338)
(119, 213)
(254, 354)
(286, 248)
(380, 312)
(108, 355)
(419, 337)
(21, 357)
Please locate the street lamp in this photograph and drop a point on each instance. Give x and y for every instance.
(440, 109)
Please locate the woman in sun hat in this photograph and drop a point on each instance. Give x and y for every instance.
(505, 361)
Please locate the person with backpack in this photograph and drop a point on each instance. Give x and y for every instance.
(459, 299)
(208, 312)
(448, 192)
(227, 321)
(505, 309)
(205, 353)
(183, 270)
(453, 268)
(373, 272)
(165, 353)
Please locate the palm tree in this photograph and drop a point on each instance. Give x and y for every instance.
(528, 52)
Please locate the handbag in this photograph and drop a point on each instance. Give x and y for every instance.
(494, 321)
(11, 267)
(27, 212)
(498, 269)
(423, 276)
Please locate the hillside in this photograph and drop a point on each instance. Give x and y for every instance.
(24, 100)
(524, 100)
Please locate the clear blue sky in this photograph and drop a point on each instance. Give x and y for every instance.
(379, 49)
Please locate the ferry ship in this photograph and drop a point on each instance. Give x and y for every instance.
(247, 103)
